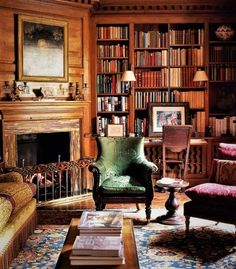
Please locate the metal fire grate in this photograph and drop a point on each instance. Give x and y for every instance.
(57, 180)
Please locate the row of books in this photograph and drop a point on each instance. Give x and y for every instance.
(226, 125)
(182, 77)
(100, 239)
(195, 99)
(222, 54)
(102, 123)
(110, 83)
(187, 36)
(187, 56)
(146, 58)
(223, 72)
(143, 98)
(108, 66)
(150, 39)
(112, 32)
(112, 50)
(151, 78)
(112, 103)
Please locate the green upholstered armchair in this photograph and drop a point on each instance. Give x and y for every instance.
(122, 174)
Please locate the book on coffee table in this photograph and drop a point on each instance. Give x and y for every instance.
(101, 222)
(97, 245)
(98, 260)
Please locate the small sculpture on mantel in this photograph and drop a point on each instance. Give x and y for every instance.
(38, 93)
(75, 92)
(79, 96)
(13, 91)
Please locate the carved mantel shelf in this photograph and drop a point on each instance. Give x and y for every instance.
(45, 117)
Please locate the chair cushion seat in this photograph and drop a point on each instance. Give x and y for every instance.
(213, 193)
(122, 184)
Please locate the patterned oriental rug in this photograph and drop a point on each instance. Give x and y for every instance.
(158, 246)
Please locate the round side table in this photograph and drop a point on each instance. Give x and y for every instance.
(172, 205)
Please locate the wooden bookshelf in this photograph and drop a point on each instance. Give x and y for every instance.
(166, 57)
(222, 79)
(112, 54)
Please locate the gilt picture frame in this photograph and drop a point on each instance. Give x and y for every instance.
(42, 49)
(166, 114)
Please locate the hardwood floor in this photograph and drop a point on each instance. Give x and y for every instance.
(61, 211)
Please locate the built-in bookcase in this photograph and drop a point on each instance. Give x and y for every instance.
(112, 44)
(222, 78)
(151, 60)
(166, 57)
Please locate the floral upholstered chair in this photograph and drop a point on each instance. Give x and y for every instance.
(121, 173)
(215, 200)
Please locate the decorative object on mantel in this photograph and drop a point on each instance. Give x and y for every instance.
(71, 91)
(75, 92)
(12, 92)
(224, 32)
(38, 93)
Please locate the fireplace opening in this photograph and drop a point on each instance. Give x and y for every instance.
(43, 148)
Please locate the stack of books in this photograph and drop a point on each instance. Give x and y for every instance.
(100, 239)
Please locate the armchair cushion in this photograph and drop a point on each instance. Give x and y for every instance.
(11, 177)
(122, 184)
(213, 193)
(5, 209)
(227, 151)
(19, 194)
(226, 172)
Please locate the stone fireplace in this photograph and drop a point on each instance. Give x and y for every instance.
(35, 117)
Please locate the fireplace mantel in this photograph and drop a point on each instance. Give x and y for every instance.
(26, 117)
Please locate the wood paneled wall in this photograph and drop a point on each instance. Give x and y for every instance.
(77, 16)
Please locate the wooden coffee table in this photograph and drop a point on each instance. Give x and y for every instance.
(131, 258)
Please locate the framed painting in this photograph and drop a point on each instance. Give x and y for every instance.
(115, 130)
(42, 49)
(166, 114)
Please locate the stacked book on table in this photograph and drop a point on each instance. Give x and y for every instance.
(100, 239)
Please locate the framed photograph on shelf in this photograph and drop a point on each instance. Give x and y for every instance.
(166, 114)
(115, 130)
(42, 49)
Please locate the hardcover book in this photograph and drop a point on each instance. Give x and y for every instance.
(101, 222)
(98, 260)
(97, 245)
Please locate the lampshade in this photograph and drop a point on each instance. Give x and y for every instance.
(200, 75)
(128, 75)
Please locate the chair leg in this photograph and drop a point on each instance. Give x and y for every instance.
(148, 212)
(137, 206)
(187, 222)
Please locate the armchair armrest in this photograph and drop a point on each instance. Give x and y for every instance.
(147, 165)
(11, 177)
(98, 169)
(223, 172)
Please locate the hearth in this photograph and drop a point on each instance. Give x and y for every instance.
(35, 133)
(43, 148)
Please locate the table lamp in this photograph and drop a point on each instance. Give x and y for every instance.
(128, 76)
(200, 77)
